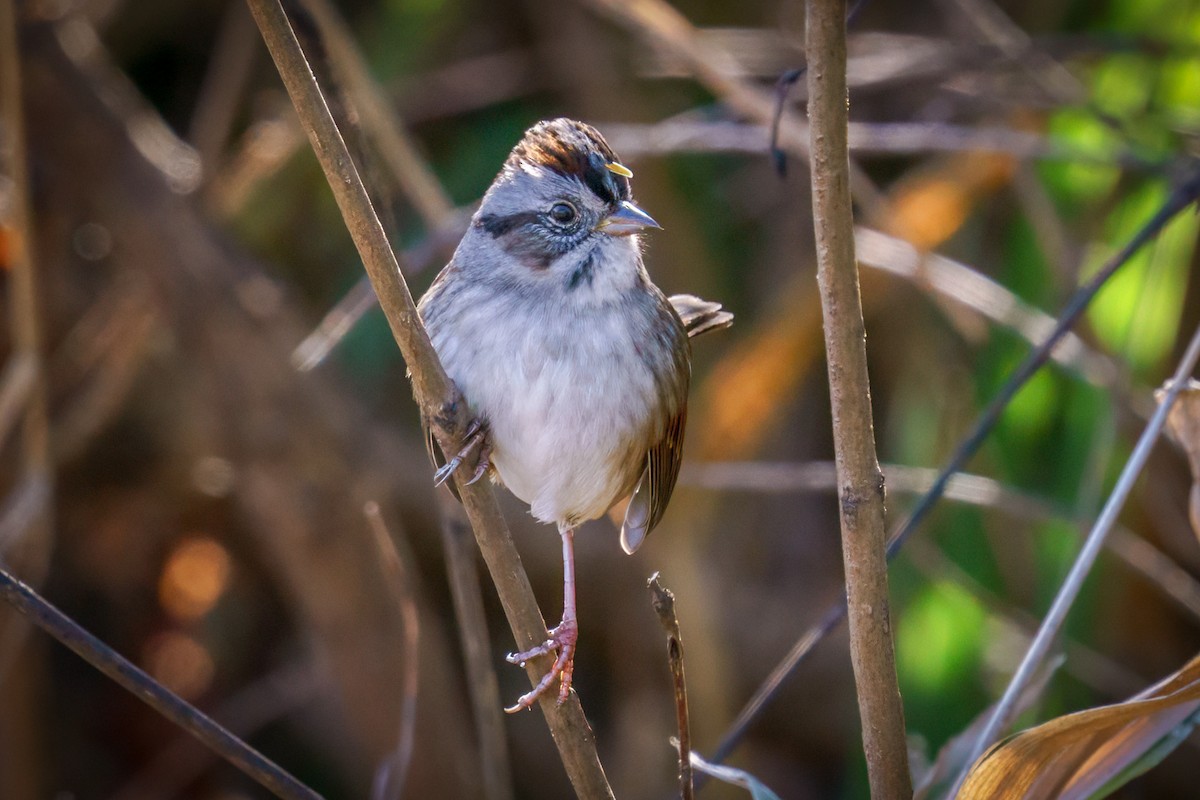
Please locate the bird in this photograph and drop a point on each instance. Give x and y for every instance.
(574, 365)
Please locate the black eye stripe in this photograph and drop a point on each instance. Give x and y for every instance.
(498, 225)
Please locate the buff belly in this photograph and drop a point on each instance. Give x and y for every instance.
(569, 416)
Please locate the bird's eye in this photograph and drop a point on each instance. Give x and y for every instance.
(563, 213)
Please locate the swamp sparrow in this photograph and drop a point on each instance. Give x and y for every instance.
(574, 364)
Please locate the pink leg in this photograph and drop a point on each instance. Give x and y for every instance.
(562, 638)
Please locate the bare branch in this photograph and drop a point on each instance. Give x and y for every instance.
(680, 134)
(860, 481)
(389, 777)
(663, 25)
(25, 300)
(18, 379)
(28, 547)
(1183, 196)
(229, 69)
(463, 573)
(379, 120)
(151, 692)
(664, 605)
(1073, 583)
(178, 162)
(435, 393)
(251, 708)
(1159, 570)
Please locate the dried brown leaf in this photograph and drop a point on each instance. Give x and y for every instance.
(1183, 424)
(1075, 755)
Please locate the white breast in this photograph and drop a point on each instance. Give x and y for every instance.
(569, 401)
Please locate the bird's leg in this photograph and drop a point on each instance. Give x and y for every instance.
(562, 637)
(476, 437)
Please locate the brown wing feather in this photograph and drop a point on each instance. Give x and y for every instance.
(657, 481)
(662, 467)
(654, 487)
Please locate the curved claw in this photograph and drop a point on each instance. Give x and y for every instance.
(475, 437)
(484, 464)
(446, 470)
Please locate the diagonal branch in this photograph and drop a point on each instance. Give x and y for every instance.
(663, 25)
(1183, 196)
(382, 125)
(1073, 583)
(379, 119)
(435, 393)
(151, 692)
(860, 481)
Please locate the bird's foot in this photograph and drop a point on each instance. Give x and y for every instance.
(562, 639)
(476, 438)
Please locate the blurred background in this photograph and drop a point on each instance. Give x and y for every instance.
(192, 488)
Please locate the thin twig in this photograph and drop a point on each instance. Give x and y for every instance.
(484, 689)
(228, 71)
(663, 602)
(15, 384)
(435, 394)
(1093, 668)
(379, 118)
(154, 139)
(860, 481)
(974, 290)
(663, 25)
(1157, 568)
(126, 328)
(360, 299)
(463, 86)
(29, 547)
(256, 705)
(391, 774)
(997, 29)
(1087, 556)
(26, 503)
(24, 300)
(1180, 199)
(445, 225)
(866, 138)
(150, 691)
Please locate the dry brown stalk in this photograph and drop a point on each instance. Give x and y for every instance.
(435, 393)
(860, 481)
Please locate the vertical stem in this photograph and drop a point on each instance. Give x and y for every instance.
(860, 481)
(463, 573)
(25, 303)
(664, 605)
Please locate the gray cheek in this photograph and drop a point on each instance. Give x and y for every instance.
(533, 247)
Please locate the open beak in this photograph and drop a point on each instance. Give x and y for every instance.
(626, 220)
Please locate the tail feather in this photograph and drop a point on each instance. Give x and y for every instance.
(700, 316)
